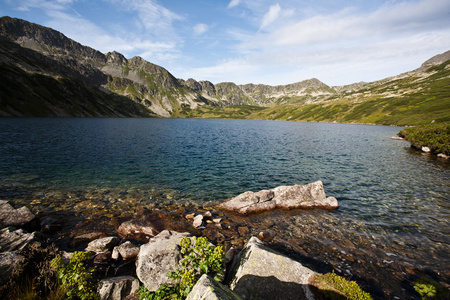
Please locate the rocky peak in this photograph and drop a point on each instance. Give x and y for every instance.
(116, 58)
(435, 60)
(47, 41)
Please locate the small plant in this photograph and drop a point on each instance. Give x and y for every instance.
(199, 257)
(331, 282)
(76, 279)
(428, 289)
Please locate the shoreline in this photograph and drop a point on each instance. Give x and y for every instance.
(307, 236)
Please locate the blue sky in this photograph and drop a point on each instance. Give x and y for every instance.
(255, 41)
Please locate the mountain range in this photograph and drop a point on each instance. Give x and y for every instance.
(44, 73)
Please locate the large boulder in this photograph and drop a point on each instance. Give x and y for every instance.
(160, 256)
(19, 218)
(117, 288)
(207, 288)
(286, 197)
(261, 273)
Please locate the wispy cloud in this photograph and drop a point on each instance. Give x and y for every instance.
(271, 15)
(233, 3)
(200, 28)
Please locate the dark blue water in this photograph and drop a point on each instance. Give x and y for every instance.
(388, 192)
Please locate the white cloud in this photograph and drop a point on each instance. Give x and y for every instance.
(271, 15)
(200, 28)
(233, 3)
(351, 26)
(152, 16)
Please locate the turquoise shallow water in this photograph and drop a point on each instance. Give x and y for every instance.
(385, 189)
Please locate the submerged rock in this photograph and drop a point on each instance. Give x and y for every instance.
(261, 273)
(136, 228)
(287, 197)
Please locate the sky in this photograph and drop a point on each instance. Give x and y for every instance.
(255, 41)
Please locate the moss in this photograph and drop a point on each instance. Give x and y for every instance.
(331, 287)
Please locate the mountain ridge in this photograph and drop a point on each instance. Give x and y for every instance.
(148, 89)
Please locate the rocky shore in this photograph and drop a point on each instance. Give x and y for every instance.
(117, 228)
(144, 250)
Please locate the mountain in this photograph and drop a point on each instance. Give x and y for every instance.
(44, 73)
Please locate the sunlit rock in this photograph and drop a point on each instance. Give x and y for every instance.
(287, 197)
(117, 288)
(159, 257)
(261, 273)
(207, 288)
(103, 244)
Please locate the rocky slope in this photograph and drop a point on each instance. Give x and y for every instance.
(44, 73)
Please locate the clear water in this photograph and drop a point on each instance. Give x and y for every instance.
(387, 192)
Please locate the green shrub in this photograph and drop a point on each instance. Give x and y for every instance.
(434, 136)
(428, 289)
(199, 258)
(75, 279)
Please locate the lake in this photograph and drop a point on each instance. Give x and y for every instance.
(393, 220)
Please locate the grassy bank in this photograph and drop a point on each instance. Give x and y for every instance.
(434, 136)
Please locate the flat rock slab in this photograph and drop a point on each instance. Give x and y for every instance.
(12, 239)
(261, 273)
(207, 288)
(286, 197)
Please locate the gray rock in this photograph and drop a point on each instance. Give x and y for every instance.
(19, 218)
(12, 239)
(8, 262)
(198, 221)
(117, 288)
(207, 288)
(128, 250)
(286, 197)
(103, 244)
(160, 256)
(261, 273)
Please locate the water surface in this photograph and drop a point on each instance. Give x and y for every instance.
(394, 201)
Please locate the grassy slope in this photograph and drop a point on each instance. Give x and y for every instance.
(407, 100)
